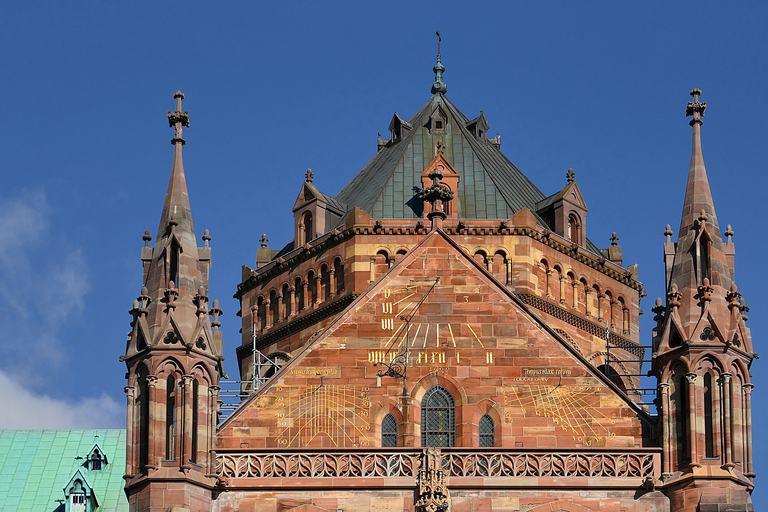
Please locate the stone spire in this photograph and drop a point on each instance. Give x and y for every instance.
(698, 196)
(176, 205)
(439, 86)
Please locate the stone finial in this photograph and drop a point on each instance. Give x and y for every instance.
(696, 108)
(264, 240)
(148, 238)
(201, 301)
(743, 308)
(178, 119)
(614, 239)
(440, 147)
(570, 175)
(216, 312)
(439, 86)
(668, 233)
(206, 237)
(703, 216)
(728, 233)
(705, 290)
(309, 176)
(674, 297)
(733, 297)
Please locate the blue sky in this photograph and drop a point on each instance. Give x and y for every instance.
(275, 89)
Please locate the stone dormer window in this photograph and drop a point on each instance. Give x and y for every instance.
(438, 122)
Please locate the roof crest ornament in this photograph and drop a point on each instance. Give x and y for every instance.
(309, 177)
(439, 86)
(178, 119)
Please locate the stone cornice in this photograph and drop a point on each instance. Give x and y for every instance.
(460, 228)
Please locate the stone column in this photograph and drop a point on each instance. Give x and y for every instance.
(728, 451)
(156, 434)
(547, 292)
(625, 320)
(268, 311)
(575, 285)
(319, 289)
(600, 296)
(186, 428)
(692, 418)
(130, 432)
(213, 420)
(666, 444)
(611, 305)
(748, 471)
(305, 295)
(562, 289)
(294, 306)
(280, 307)
(332, 282)
(587, 293)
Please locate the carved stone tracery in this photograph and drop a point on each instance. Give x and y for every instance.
(431, 489)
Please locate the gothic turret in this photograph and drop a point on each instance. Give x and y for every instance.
(702, 351)
(173, 352)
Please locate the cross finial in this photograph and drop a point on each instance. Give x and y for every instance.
(309, 177)
(264, 240)
(614, 239)
(178, 119)
(696, 108)
(570, 176)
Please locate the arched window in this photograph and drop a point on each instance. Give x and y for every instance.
(170, 417)
(338, 268)
(709, 431)
(389, 431)
(142, 402)
(486, 426)
(438, 418)
(305, 228)
(195, 421)
(574, 228)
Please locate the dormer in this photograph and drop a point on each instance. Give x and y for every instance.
(314, 212)
(450, 179)
(79, 495)
(478, 127)
(566, 212)
(399, 128)
(438, 121)
(96, 460)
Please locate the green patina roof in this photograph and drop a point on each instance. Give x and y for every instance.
(36, 465)
(490, 186)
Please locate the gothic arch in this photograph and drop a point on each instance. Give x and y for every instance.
(169, 366)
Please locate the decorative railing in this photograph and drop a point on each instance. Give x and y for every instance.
(317, 465)
(455, 462)
(611, 465)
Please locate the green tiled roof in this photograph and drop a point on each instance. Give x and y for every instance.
(35, 465)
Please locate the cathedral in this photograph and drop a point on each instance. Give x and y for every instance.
(440, 336)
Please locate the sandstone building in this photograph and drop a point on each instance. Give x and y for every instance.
(441, 335)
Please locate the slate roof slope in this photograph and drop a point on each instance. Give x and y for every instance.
(36, 465)
(490, 186)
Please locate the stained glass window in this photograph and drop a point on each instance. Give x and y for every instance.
(389, 431)
(486, 432)
(438, 418)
